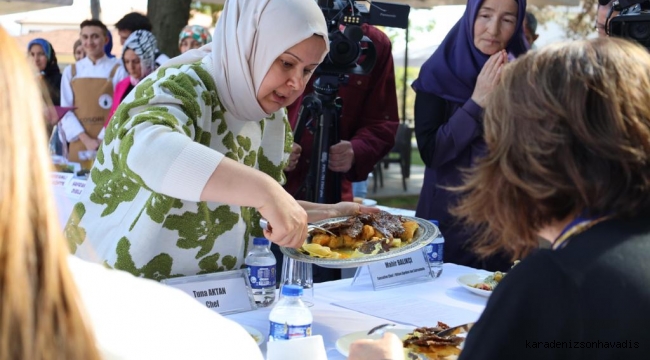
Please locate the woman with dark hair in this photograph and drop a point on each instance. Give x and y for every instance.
(450, 95)
(78, 50)
(44, 57)
(568, 160)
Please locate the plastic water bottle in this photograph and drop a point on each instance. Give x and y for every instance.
(260, 264)
(290, 317)
(435, 251)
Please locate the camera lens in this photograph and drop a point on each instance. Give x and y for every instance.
(343, 52)
(342, 48)
(639, 31)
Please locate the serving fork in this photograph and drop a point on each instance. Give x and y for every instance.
(266, 226)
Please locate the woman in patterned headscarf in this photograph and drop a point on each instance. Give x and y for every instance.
(193, 37)
(193, 157)
(138, 57)
(44, 57)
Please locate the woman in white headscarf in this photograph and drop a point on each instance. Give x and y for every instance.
(193, 157)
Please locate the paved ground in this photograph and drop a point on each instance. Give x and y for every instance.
(393, 182)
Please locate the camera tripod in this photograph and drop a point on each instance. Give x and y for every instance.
(320, 113)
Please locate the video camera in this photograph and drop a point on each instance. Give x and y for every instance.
(347, 42)
(632, 23)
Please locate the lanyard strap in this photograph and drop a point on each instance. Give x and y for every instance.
(575, 227)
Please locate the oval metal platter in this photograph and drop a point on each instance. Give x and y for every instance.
(423, 236)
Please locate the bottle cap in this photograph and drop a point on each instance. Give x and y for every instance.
(435, 222)
(292, 290)
(260, 241)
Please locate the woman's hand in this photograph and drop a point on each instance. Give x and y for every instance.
(293, 157)
(287, 220)
(237, 184)
(317, 212)
(89, 142)
(388, 347)
(489, 77)
(348, 208)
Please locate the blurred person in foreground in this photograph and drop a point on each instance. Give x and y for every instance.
(54, 306)
(193, 157)
(450, 95)
(568, 138)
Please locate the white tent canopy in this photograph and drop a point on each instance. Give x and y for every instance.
(18, 6)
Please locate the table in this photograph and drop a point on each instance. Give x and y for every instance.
(333, 321)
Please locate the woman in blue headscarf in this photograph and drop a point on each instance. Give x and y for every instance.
(42, 54)
(108, 48)
(450, 95)
(44, 57)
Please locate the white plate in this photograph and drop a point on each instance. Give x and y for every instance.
(468, 280)
(369, 202)
(257, 336)
(344, 342)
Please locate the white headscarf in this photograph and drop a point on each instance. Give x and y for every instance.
(248, 38)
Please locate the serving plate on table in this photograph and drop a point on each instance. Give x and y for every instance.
(422, 237)
(468, 280)
(344, 342)
(255, 334)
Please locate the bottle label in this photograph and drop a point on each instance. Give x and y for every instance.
(287, 332)
(435, 251)
(261, 276)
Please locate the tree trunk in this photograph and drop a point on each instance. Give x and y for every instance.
(95, 9)
(168, 19)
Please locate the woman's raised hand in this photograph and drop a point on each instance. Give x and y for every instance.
(489, 77)
(287, 219)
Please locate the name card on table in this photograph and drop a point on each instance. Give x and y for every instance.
(225, 292)
(75, 188)
(400, 270)
(61, 179)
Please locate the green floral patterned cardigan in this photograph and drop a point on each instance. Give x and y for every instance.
(141, 212)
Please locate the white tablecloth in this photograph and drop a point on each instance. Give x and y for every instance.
(333, 322)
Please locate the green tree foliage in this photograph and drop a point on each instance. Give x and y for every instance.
(208, 9)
